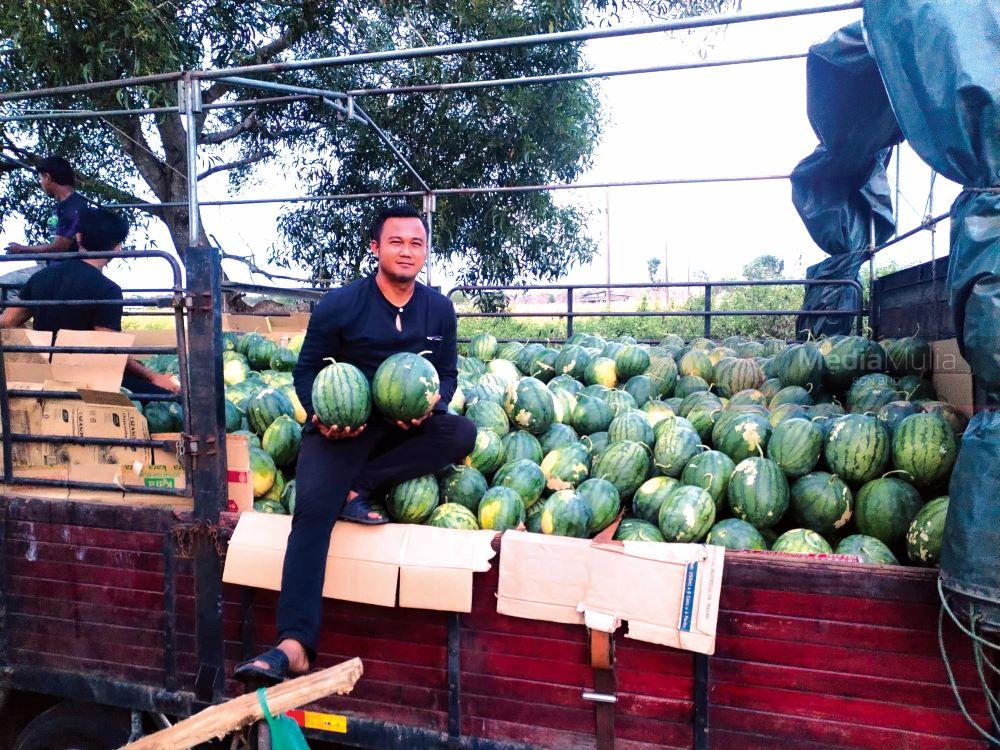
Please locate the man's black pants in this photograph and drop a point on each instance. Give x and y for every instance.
(381, 456)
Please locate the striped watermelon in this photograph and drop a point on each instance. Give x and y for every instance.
(522, 360)
(676, 444)
(234, 416)
(801, 365)
(795, 445)
(631, 425)
(563, 404)
(923, 539)
(565, 513)
(413, 501)
(703, 418)
(597, 443)
(870, 400)
(711, 471)
(463, 485)
(483, 346)
(235, 371)
(735, 534)
(591, 414)
(885, 508)
(821, 502)
(601, 371)
(488, 415)
(636, 530)
(857, 449)
(572, 361)
(453, 516)
(788, 411)
(741, 435)
(405, 387)
(500, 509)
(523, 476)
(694, 399)
(749, 396)
(274, 494)
(734, 375)
(894, 412)
(508, 350)
(758, 492)
(283, 359)
(269, 506)
(924, 447)
(908, 355)
(801, 542)
(340, 396)
(663, 373)
(620, 401)
(948, 413)
(288, 497)
(262, 471)
(504, 370)
(625, 464)
(770, 388)
(915, 387)
(657, 410)
(686, 514)
(265, 407)
(566, 467)
(604, 501)
(281, 440)
(641, 388)
(688, 384)
(564, 383)
(649, 498)
(868, 548)
(792, 394)
(851, 357)
(557, 436)
(487, 453)
(543, 365)
(259, 353)
(521, 444)
(696, 362)
(631, 360)
(300, 412)
(529, 405)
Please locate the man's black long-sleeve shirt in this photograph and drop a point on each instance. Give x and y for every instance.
(357, 324)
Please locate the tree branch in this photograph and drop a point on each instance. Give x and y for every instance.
(220, 136)
(135, 145)
(235, 164)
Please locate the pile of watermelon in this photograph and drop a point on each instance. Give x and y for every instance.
(835, 445)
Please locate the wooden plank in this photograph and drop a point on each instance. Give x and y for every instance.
(524, 645)
(84, 613)
(912, 692)
(835, 708)
(832, 734)
(71, 554)
(563, 718)
(148, 601)
(36, 657)
(542, 670)
(86, 536)
(108, 655)
(847, 660)
(85, 574)
(644, 729)
(96, 515)
(367, 648)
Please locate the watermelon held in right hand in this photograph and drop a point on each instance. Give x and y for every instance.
(405, 387)
(340, 396)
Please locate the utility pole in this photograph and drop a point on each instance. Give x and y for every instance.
(607, 245)
(666, 275)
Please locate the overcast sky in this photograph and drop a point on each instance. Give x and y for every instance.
(730, 121)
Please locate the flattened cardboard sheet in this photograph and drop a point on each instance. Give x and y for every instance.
(554, 596)
(430, 568)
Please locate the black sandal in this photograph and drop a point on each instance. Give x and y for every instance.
(276, 671)
(358, 510)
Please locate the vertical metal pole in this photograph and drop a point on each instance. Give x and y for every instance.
(189, 101)
(569, 311)
(708, 309)
(871, 274)
(701, 679)
(8, 444)
(207, 447)
(454, 681)
(430, 205)
(895, 208)
(607, 245)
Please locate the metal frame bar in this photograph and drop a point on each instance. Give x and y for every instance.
(559, 77)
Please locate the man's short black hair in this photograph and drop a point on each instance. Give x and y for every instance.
(402, 211)
(58, 169)
(100, 230)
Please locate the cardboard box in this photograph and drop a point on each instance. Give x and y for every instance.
(952, 376)
(277, 328)
(668, 593)
(415, 566)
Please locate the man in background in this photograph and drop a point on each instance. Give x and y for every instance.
(98, 230)
(58, 180)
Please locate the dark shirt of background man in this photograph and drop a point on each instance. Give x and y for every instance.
(73, 279)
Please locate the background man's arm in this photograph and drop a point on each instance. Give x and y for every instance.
(137, 368)
(59, 245)
(14, 317)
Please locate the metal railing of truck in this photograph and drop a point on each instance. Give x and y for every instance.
(174, 300)
(570, 313)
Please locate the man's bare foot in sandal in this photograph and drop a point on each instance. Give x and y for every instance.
(359, 509)
(287, 659)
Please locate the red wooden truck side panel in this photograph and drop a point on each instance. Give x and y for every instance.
(809, 655)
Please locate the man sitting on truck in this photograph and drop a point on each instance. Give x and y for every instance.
(98, 230)
(58, 181)
(340, 470)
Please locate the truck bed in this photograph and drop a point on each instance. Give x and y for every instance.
(98, 603)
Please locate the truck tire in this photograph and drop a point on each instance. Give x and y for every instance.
(75, 726)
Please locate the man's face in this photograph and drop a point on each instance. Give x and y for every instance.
(401, 249)
(46, 182)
